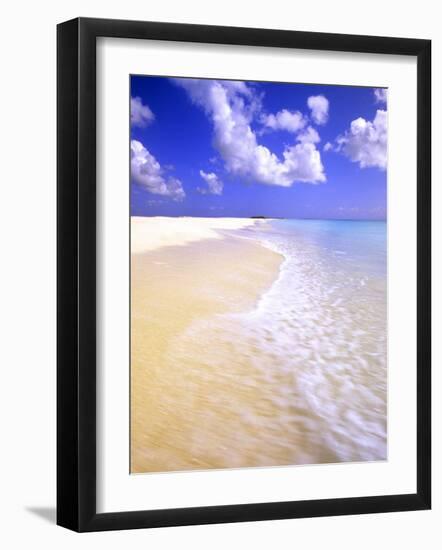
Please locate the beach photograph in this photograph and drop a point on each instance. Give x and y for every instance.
(258, 274)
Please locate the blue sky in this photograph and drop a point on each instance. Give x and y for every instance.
(230, 148)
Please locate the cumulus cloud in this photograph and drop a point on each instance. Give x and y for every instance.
(318, 104)
(214, 184)
(147, 171)
(380, 95)
(365, 141)
(328, 146)
(291, 121)
(231, 106)
(309, 135)
(140, 115)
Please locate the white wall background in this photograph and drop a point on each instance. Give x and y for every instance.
(27, 289)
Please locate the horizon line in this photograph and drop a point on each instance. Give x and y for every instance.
(266, 218)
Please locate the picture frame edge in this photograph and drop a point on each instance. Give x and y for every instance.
(76, 273)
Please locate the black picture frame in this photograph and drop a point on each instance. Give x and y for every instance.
(77, 287)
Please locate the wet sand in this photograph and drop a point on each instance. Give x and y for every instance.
(183, 412)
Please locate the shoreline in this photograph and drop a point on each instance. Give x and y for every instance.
(233, 339)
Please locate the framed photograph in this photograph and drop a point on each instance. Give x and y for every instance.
(243, 274)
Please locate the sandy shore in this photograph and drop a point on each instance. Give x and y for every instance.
(217, 382)
(153, 233)
(176, 419)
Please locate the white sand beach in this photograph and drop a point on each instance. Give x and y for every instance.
(155, 232)
(184, 272)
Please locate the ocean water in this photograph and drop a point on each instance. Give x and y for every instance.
(304, 372)
(326, 315)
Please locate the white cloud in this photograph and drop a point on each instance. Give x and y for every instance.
(365, 141)
(328, 146)
(380, 95)
(214, 184)
(309, 135)
(291, 121)
(231, 107)
(302, 162)
(140, 115)
(318, 105)
(147, 171)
